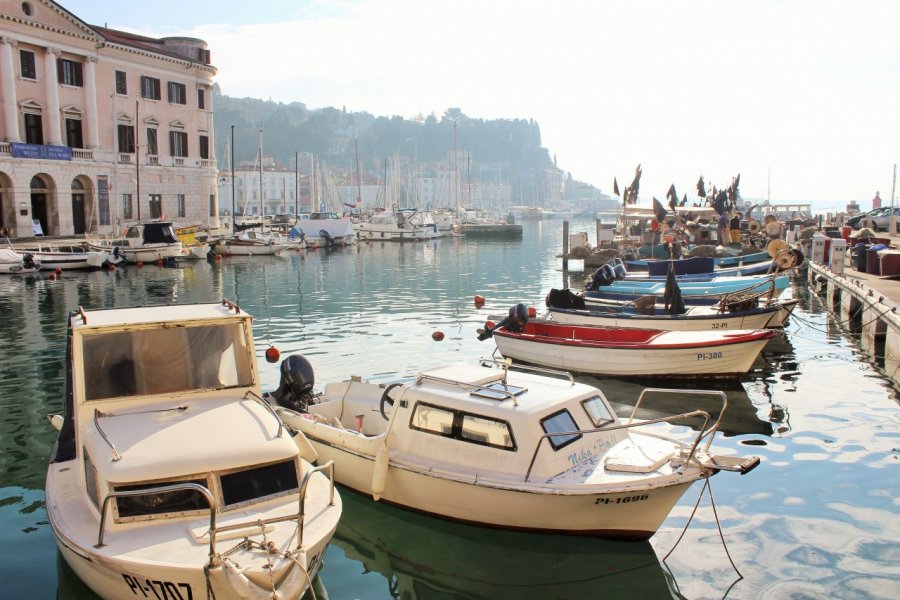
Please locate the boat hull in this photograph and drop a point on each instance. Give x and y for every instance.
(760, 319)
(720, 360)
(229, 248)
(71, 261)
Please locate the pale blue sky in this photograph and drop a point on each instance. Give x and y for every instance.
(807, 90)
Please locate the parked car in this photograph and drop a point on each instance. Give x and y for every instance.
(882, 221)
(860, 219)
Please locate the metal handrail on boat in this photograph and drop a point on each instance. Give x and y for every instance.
(687, 415)
(116, 456)
(269, 408)
(214, 530)
(521, 367)
(712, 430)
(469, 386)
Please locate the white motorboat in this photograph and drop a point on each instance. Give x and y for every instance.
(69, 258)
(399, 225)
(326, 229)
(12, 262)
(170, 477)
(142, 242)
(253, 243)
(501, 448)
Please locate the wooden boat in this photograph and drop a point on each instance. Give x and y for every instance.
(142, 242)
(696, 264)
(696, 318)
(626, 352)
(14, 263)
(761, 268)
(252, 243)
(692, 292)
(786, 307)
(498, 447)
(170, 477)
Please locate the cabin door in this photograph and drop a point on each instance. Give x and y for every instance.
(78, 219)
(39, 211)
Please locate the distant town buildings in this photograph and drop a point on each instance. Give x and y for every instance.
(100, 127)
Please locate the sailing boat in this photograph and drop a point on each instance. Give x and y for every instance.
(325, 227)
(398, 225)
(248, 241)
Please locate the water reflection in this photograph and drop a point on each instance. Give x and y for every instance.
(420, 557)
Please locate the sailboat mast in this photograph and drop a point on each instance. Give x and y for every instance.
(233, 207)
(262, 205)
(358, 176)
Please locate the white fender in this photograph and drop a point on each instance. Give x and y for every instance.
(379, 472)
(292, 586)
(307, 451)
(56, 421)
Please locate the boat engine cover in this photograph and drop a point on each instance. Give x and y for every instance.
(295, 390)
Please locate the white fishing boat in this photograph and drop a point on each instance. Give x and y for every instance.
(326, 229)
(399, 225)
(170, 477)
(142, 242)
(498, 447)
(69, 258)
(12, 262)
(253, 243)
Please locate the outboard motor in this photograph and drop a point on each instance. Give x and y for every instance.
(329, 241)
(28, 260)
(618, 268)
(296, 385)
(514, 322)
(605, 275)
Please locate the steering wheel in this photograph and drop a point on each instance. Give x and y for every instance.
(385, 399)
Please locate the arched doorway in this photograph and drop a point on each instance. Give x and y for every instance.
(79, 219)
(40, 192)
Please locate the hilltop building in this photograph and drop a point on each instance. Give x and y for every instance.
(100, 127)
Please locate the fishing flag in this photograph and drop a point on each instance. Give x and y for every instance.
(672, 293)
(615, 187)
(659, 210)
(701, 188)
(672, 195)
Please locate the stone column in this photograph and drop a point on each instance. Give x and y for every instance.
(90, 98)
(54, 131)
(8, 90)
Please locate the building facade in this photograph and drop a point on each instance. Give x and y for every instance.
(100, 127)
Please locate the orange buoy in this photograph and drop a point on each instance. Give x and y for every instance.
(139, 264)
(58, 271)
(489, 324)
(52, 276)
(479, 300)
(110, 267)
(532, 312)
(218, 256)
(670, 239)
(437, 336)
(272, 354)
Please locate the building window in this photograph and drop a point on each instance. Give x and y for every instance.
(155, 206)
(177, 93)
(179, 198)
(150, 88)
(127, 210)
(126, 139)
(204, 146)
(212, 205)
(34, 129)
(26, 61)
(178, 143)
(152, 145)
(68, 72)
(121, 83)
(201, 99)
(73, 133)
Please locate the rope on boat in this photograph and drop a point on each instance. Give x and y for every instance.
(706, 486)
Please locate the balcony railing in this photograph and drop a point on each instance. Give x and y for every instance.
(5, 148)
(125, 159)
(178, 161)
(82, 154)
(153, 160)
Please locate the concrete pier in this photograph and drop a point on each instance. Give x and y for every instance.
(866, 301)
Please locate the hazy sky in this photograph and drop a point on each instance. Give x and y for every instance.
(808, 91)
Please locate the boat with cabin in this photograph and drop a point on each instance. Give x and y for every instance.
(326, 229)
(142, 242)
(497, 445)
(398, 225)
(170, 477)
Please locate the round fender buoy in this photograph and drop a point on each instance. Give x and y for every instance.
(437, 336)
(139, 264)
(272, 354)
(479, 300)
(532, 312)
(111, 267)
(489, 324)
(670, 239)
(58, 271)
(52, 276)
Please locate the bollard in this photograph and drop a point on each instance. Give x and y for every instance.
(838, 254)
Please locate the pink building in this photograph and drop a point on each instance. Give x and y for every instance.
(100, 127)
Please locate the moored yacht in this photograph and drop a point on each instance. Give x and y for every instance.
(399, 225)
(142, 242)
(170, 477)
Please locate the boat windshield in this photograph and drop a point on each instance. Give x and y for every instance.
(165, 360)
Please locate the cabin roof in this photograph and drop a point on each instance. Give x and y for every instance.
(154, 314)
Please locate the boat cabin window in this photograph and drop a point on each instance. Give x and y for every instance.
(560, 422)
(158, 503)
(597, 410)
(133, 232)
(165, 360)
(260, 482)
(463, 426)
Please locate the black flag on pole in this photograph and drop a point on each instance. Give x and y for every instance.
(615, 186)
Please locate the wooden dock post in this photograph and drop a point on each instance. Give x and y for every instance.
(565, 249)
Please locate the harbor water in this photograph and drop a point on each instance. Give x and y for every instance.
(819, 518)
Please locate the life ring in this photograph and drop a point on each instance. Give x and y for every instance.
(385, 399)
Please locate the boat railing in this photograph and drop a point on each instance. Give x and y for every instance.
(214, 529)
(704, 430)
(268, 407)
(753, 292)
(507, 395)
(518, 366)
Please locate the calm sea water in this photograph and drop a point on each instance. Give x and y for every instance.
(817, 519)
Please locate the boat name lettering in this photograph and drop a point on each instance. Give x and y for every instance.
(708, 355)
(625, 500)
(586, 453)
(720, 326)
(160, 590)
